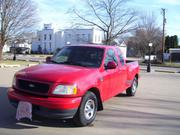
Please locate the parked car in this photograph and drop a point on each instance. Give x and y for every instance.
(152, 57)
(75, 82)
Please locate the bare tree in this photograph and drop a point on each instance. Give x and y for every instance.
(147, 31)
(111, 16)
(16, 17)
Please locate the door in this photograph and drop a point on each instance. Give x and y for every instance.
(122, 71)
(111, 75)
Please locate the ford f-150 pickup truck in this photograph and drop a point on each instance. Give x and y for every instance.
(75, 82)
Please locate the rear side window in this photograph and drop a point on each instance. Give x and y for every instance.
(110, 56)
(121, 58)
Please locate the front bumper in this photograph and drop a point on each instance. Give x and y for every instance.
(47, 106)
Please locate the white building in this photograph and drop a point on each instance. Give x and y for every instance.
(6, 48)
(21, 47)
(48, 41)
(123, 48)
(81, 36)
(45, 40)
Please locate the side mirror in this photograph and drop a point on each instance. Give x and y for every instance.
(48, 59)
(111, 65)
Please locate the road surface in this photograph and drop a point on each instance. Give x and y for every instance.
(155, 110)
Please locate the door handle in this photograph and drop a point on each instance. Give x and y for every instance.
(101, 79)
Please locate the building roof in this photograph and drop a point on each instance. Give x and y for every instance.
(174, 50)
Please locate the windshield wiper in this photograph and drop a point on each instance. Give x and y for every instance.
(66, 62)
(79, 64)
(54, 61)
(69, 63)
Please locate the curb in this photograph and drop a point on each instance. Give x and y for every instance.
(8, 66)
(29, 65)
(11, 66)
(161, 71)
(165, 71)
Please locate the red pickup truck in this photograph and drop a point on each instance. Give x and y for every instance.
(75, 82)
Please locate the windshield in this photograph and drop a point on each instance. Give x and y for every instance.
(79, 56)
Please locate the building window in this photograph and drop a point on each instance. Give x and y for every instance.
(69, 36)
(50, 47)
(99, 38)
(50, 37)
(77, 37)
(84, 37)
(89, 38)
(45, 49)
(44, 36)
(95, 38)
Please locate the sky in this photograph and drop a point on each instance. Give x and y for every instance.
(55, 12)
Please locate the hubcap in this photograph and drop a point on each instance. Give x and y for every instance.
(89, 109)
(134, 86)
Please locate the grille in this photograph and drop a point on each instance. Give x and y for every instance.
(33, 87)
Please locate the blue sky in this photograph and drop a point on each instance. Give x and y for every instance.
(55, 12)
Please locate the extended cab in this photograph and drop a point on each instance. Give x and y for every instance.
(75, 82)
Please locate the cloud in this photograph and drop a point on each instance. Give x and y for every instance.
(53, 11)
(172, 2)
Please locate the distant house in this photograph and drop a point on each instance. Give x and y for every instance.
(21, 48)
(174, 54)
(123, 48)
(47, 41)
(6, 48)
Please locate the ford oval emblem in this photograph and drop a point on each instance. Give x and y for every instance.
(31, 85)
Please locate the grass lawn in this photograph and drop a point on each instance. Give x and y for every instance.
(168, 64)
(165, 64)
(17, 62)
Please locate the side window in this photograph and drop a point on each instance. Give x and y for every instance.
(110, 56)
(120, 56)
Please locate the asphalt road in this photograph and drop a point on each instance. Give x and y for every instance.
(155, 110)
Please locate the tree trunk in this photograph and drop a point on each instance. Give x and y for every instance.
(1, 52)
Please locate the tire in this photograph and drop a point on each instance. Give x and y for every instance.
(132, 90)
(87, 110)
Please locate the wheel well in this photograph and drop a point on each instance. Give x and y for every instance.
(97, 93)
(137, 76)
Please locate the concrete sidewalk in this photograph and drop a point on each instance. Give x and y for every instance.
(161, 69)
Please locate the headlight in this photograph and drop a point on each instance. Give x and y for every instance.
(14, 82)
(65, 90)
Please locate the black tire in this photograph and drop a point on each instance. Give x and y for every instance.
(87, 110)
(131, 91)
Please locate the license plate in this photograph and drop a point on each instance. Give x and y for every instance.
(24, 110)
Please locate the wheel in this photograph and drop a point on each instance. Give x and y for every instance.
(132, 90)
(87, 110)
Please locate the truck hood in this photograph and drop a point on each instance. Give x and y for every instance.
(55, 73)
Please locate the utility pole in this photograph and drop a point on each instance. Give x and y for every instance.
(163, 37)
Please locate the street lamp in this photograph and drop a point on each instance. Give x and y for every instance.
(14, 57)
(149, 61)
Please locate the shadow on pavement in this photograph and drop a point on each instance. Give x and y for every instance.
(122, 95)
(8, 113)
(114, 116)
(138, 120)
